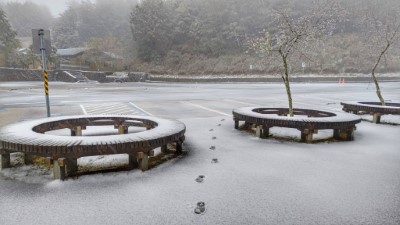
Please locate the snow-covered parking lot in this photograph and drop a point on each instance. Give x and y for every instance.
(254, 181)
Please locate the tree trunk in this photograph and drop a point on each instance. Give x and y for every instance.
(285, 78)
(378, 90)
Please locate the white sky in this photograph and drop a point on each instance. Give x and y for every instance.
(56, 6)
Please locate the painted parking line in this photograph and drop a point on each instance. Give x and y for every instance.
(103, 106)
(109, 109)
(240, 102)
(205, 108)
(82, 101)
(137, 107)
(83, 109)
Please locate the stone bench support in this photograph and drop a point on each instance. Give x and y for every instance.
(4, 160)
(164, 149)
(236, 124)
(133, 161)
(262, 131)
(76, 131)
(178, 149)
(307, 135)
(122, 129)
(64, 167)
(143, 161)
(376, 118)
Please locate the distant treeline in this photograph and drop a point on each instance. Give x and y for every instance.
(195, 36)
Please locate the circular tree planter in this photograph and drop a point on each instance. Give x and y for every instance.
(373, 108)
(30, 137)
(307, 121)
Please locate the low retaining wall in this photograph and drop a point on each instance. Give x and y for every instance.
(15, 74)
(11, 74)
(269, 78)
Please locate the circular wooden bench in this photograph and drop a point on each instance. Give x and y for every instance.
(306, 120)
(373, 108)
(30, 137)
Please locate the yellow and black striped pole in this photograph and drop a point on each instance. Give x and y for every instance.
(45, 73)
(46, 82)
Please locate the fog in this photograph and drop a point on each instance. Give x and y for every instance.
(56, 6)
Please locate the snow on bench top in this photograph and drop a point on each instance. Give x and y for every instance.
(22, 132)
(373, 104)
(339, 116)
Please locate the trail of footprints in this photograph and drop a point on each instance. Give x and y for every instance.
(201, 206)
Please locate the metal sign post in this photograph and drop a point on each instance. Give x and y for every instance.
(44, 43)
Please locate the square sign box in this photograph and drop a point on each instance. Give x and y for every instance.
(36, 41)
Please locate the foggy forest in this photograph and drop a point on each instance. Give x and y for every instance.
(203, 36)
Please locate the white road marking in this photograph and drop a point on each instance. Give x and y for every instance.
(83, 109)
(82, 101)
(113, 111)
(107, 110)
(102, 106)
(243, 103)
(208, 109)
(140, 109)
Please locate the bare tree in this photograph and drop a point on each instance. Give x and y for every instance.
(381, 21)
(292, 33)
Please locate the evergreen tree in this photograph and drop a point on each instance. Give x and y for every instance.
(152, 27)
(8, 41)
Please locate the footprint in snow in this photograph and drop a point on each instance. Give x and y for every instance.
(219, 125)
(212, 148)
(215, 160)
(201, 208)
(214, 138)
(200, 179)
(223, 120)
(211, 129)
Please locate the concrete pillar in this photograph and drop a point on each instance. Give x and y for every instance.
(178, 149)
(307, 136)
(347, 134)
(28, 159)
(236, 124)
(164, 149)
(376, 118)
(133, 161)
(259, 131)
(122, 129)
(64, 167)
(336, 135)
(265, 132)
(5, 161)
(262, 131)
(143, 161)
(76, 131)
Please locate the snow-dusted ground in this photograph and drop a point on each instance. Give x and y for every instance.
(254, 182)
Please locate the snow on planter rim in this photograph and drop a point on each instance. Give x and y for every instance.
(22, 132)
(389, 105)
(335, 118)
